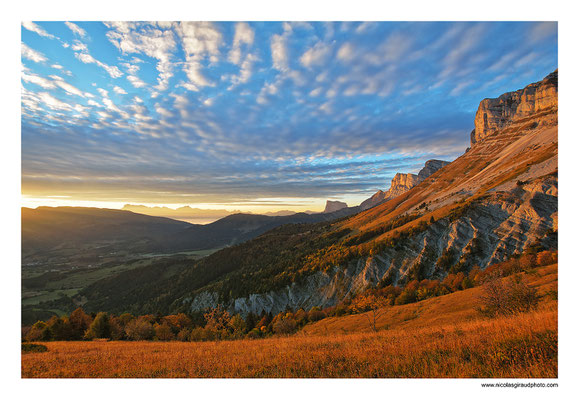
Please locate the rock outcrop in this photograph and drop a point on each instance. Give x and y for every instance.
(333, 206)
(401, 183)
(430, 167)
(495, 114)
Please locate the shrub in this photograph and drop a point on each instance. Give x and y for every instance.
(285, 326)
(39, 332)
(507, 297)
(140, 329)
(33, 348)
(316, 314)
(163, 332)
(184, 335)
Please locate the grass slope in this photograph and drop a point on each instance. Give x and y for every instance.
(444, 338)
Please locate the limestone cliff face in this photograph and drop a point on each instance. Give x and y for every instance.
(430, 167)
(495, 114)
(401, 183)
(333, 206)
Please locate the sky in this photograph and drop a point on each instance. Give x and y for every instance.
(256, 116)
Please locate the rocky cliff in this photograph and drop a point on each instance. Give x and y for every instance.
(430, 167)
(402, 183)
(495, 114)
(333, 206)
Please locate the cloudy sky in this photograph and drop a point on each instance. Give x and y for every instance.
(255, 116)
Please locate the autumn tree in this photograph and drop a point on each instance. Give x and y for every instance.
(100, 327)
(372, 302)
(237, 326)
(79, 323)
(139, 329)
(39, 332)
(59, 328)
(217, 322)
(163, 332)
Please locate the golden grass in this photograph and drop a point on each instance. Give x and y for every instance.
(433, 339)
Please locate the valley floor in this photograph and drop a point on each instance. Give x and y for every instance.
(439, 337)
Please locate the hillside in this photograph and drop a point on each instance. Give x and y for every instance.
(496, 200)
(49, 228)
(435, 338)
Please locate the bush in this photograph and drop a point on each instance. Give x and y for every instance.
(139, 329)
(163, 332)
(39, 332)
(507, 297)
(316, 314)
(33, 348)
(285, 326)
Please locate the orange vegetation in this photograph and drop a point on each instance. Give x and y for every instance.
(439, 337)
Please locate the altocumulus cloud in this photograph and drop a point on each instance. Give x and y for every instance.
(175, 112)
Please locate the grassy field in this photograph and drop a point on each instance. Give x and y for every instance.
(439, 337)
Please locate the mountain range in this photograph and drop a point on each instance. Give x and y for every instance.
(497, 200)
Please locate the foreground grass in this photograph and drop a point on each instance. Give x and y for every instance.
(524, 346)
(442, 337)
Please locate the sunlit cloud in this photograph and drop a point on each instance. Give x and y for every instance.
(75, 29)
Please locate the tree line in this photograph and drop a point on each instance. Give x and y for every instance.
(220, 324)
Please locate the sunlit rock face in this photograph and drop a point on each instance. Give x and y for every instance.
(401, 183)
(430, 167)
(495, 114)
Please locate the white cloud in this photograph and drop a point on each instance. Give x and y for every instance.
(365, 27)
(94, 103)
(163, 111)
(110, 105)
(75, 28)
(316, 55)
(119, 90)
(31, 54)
(394, 48)
(135, 81)
(316, 92)
(245, 71)
(79, 46)
(38, 80)
(103, 92)
(346, 52)
(31, 26)
(200, 40)
(52, 102)
(68, 88)
(86, 58)
(131, 37)
(244, 34)
(279, 52)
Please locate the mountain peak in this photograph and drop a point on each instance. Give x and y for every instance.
(332, 206)
(495, 114)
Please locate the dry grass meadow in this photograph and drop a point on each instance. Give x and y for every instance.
(435, 338)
